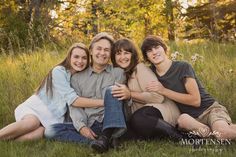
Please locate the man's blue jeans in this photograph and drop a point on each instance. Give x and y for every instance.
(66, 132)
(113, 118)
(113, 114)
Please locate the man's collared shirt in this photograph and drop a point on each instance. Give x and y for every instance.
(91, 84)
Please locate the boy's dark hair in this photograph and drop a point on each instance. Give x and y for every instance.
(152, 41)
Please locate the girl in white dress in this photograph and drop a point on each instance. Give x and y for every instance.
(48, 104)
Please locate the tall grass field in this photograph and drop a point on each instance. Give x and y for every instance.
(214, 63)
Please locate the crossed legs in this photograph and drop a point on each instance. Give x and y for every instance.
(28, 128)
(188, 123)
(225, 130)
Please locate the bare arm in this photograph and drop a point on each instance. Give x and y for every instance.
(87, 102)
(143, 97)
(191, 98)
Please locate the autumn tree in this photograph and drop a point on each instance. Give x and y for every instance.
(23, 24)
(215, 20)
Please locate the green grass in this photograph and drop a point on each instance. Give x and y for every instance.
(21, 74)
(45, 148)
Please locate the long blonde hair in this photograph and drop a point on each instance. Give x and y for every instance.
(65, 63)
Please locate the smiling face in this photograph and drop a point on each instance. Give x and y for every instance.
(101, 52)
(125, 55)
(154, 49)
(123, 58)
(79, 60)
(156, 55)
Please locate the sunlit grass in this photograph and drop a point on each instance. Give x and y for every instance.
(19, 76)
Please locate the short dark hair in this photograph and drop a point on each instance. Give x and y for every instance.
(152, 41)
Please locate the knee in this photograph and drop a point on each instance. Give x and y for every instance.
(112, 102)
(31, 122)
(182, 120)
(221, 132)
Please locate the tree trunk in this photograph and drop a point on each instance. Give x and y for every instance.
(170, 19)
(213, 26)
(94, 21)
(34, 10)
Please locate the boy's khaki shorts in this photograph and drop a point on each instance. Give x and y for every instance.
(214, 113)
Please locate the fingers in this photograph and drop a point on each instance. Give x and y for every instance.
(123, 94)
(151, 90)
(86, 132)
(155, 86)
(119, 96)
(120, 91)
(90, 135)
(149, 87)
(122, 98)
(117, 91)
(93, 134)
